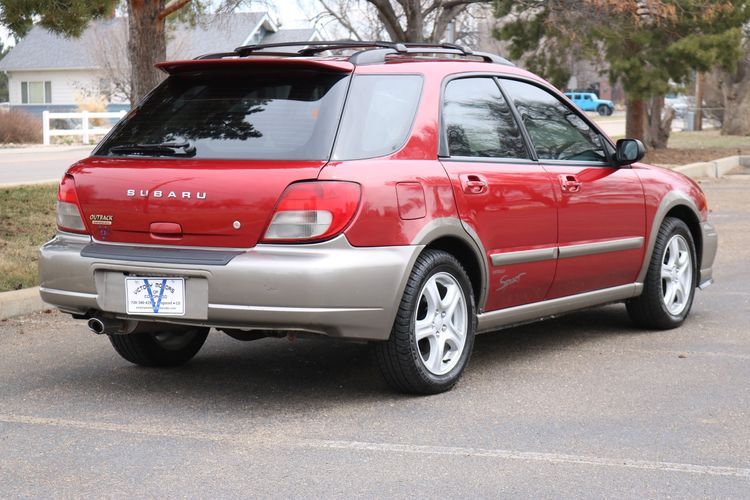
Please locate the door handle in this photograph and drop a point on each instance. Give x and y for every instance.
(473, 184)
(570, 183)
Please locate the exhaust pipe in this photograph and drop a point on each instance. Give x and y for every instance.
(108, 326)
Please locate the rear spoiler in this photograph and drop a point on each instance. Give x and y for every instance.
(172, 67)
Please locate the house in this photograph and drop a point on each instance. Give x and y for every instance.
(50, 72)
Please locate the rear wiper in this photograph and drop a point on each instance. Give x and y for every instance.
(163, 149)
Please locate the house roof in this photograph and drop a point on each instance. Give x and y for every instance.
(41, 49)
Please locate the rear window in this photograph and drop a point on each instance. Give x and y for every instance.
(260, 116)
(378, 115)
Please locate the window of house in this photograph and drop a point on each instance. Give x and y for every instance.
(36, 92)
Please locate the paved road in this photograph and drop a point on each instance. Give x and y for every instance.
(38, 164)
(582, 406)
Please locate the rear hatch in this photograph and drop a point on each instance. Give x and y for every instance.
(203, 161)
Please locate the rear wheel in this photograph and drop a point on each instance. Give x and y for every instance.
(169, 348)
(604, 110)
(433, 335)
(669, 287)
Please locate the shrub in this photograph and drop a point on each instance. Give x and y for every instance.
(93, 105)
(19, 127)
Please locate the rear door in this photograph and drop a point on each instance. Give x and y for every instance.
(601, 207)
(505, 197)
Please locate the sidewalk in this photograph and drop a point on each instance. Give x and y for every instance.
(38, 164)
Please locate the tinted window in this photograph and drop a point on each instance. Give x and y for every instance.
(479, 122)
(262, 115)
(557, 131)
(378, 115)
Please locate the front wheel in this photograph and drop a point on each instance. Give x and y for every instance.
(433, 334)
(669, 287)
(159, 350)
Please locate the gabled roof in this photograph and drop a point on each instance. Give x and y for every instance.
(41, 49)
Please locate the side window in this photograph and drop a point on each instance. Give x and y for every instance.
(577, 97)
(378, 115)
(557, 131)
(478, 121)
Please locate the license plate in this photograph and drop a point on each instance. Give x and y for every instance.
(155, 296)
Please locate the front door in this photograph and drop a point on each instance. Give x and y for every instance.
(601, 207)
(506, 198)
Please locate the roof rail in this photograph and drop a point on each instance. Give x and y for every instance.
(373, 52)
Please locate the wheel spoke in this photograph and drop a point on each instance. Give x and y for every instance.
(424, 328)
(669, 295)
(437, 353)
(674, 251)
(453, 338)
(451, 301)
(666, 272)
(432, 296)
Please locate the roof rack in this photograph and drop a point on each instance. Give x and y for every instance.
(373, 52)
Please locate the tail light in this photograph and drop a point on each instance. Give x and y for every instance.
(68, 213)
(313, 211)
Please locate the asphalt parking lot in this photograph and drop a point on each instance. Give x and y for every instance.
(581, 406)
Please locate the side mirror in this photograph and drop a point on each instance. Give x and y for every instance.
(629, 151)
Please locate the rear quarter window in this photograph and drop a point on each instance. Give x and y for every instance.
(378, 115)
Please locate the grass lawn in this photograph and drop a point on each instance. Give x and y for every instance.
(27, 219)
(692, 147)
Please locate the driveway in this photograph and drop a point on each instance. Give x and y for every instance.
(38, 163)
(581, 406)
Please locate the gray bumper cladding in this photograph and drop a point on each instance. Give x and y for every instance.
(329, 288)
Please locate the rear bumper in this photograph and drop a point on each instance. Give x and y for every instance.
(329, 288)
(710, 245)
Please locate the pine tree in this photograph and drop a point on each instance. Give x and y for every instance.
(646, 43)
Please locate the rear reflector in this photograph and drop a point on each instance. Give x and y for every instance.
(313, 211)
(68, 213)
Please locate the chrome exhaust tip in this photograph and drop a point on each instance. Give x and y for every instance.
(108, 326)
(96, 325)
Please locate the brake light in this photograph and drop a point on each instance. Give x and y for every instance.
(68, 213)
(313, 211)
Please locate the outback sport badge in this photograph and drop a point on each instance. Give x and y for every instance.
(186, 195)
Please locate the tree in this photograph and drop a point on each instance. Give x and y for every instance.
(3, 77)
(147, 43)
(734, 94)
(646, 44)
(422, 21)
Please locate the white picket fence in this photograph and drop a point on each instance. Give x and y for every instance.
(86, 131)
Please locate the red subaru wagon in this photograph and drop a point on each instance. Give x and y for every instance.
(408, 195)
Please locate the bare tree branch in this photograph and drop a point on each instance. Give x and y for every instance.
(172, 7)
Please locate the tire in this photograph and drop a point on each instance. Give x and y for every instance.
(160, 350)
(435, 363)
(604, 110)
(669, 287)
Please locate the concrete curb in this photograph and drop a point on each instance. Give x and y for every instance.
(20, 302)
(714, 169)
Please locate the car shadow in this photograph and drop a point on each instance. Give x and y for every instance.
(278, 377)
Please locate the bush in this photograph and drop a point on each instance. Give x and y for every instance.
(19, 127)
(93, 105)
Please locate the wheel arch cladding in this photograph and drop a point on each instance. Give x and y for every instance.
(466, 256)
(688, 216)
